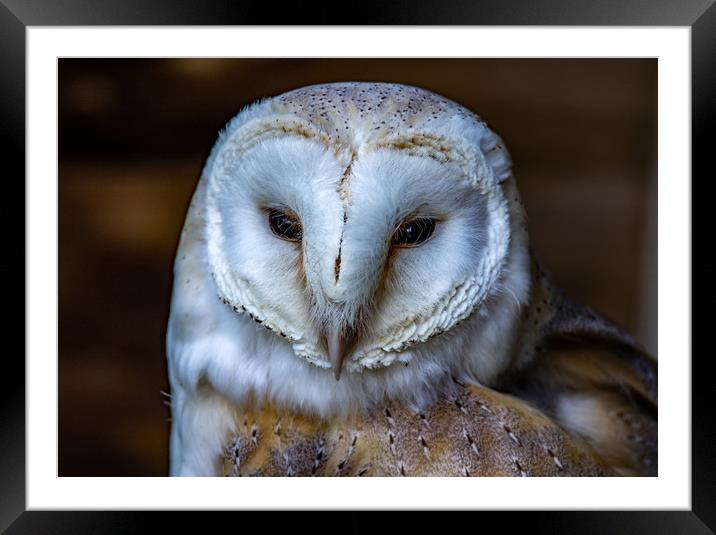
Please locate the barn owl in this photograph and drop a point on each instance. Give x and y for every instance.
(354, 295)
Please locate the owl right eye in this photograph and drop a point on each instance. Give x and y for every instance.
(414, 232)
(285, 225)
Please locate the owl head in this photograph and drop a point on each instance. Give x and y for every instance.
(365, 231)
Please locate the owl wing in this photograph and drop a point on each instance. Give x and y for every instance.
(597, 384)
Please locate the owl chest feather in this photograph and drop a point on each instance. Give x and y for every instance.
(476, 432)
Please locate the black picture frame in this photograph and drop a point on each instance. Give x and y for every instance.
(699, 15)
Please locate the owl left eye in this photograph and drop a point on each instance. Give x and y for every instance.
(414, 232)
(285, 225)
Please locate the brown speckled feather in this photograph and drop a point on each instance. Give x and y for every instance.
(480, 432)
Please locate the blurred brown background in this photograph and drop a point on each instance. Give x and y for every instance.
(133, 136)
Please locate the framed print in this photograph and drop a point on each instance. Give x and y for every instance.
(597, 115)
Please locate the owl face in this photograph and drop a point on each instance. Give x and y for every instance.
(357, 221)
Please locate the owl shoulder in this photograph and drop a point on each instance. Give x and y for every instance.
(595, 382)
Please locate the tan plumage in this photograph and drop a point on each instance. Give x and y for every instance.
(585, 406)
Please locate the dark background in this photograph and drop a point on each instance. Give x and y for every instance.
(133, 136)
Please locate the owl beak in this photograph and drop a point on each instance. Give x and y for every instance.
(338, 342)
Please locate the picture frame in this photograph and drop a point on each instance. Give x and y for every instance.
(16, 16)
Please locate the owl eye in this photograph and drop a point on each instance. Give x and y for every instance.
(285, 225)
(414, 232)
